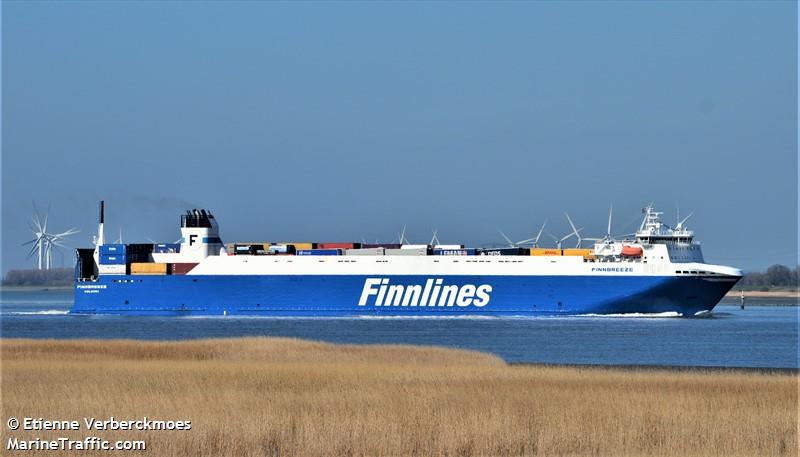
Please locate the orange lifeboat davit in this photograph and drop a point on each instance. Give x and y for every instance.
(631, 251)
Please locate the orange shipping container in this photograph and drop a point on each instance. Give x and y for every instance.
(148, 268)
(298, 246)
(580, 252)
(545, 251)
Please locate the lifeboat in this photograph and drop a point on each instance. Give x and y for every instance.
(631, 251)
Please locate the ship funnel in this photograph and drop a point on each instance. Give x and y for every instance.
(100, 234)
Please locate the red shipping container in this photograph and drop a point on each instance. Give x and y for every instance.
(182, 268)
(335, 245)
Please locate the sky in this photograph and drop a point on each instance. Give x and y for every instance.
(346, 121)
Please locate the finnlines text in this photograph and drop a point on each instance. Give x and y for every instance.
(379, 292)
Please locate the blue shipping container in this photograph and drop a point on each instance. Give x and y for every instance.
(112, 259)
(112, 249)
(319, 252)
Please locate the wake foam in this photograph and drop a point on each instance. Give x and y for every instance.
(636, 315)
(47, 312)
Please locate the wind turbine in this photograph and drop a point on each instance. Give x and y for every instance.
(435, 238)
(535, 239)
(40, 241)
(608, 238)
(511, 244)
(55, 241)
(561, 240)
(44, 242)
(575, 231)
(401, 237)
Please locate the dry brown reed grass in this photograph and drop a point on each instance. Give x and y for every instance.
(283, 397)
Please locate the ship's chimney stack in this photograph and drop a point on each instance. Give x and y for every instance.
(100, 235)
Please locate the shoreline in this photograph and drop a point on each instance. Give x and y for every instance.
(763, 294)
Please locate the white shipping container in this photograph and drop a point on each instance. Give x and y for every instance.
(449, 246)
(414, 246)
(279, 248)
(111, 269)
(408, 251)
(365, 251)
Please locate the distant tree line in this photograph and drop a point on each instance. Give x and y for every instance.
(775, 276)
(52, 278)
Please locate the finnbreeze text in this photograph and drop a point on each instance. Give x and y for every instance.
(433, 293)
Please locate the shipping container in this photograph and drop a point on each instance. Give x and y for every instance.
(364, 251)
(281, 249)
(298, 246)
(164, 248)
(112, 249)
(150, 268)
(504, 251)
(319, 252)
(414, 246)
(139, 248)
(381, 245)
(449, 246)
(116, 269)
(577, 252)
(140, 257)
(338, 245)
(466, 251)
(545, 251)
(113, 259)
(247, 249)
(182, 268)
(407, 251)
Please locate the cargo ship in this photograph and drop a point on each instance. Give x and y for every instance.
(658, 270)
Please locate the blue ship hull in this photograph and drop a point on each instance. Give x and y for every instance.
(339, 295)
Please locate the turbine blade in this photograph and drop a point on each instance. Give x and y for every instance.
(46, 217)
(571, 224)
(69, 232)
(33, 250)
(540, 232)
(510, 243)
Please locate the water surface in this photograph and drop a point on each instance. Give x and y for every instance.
(763, 336)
